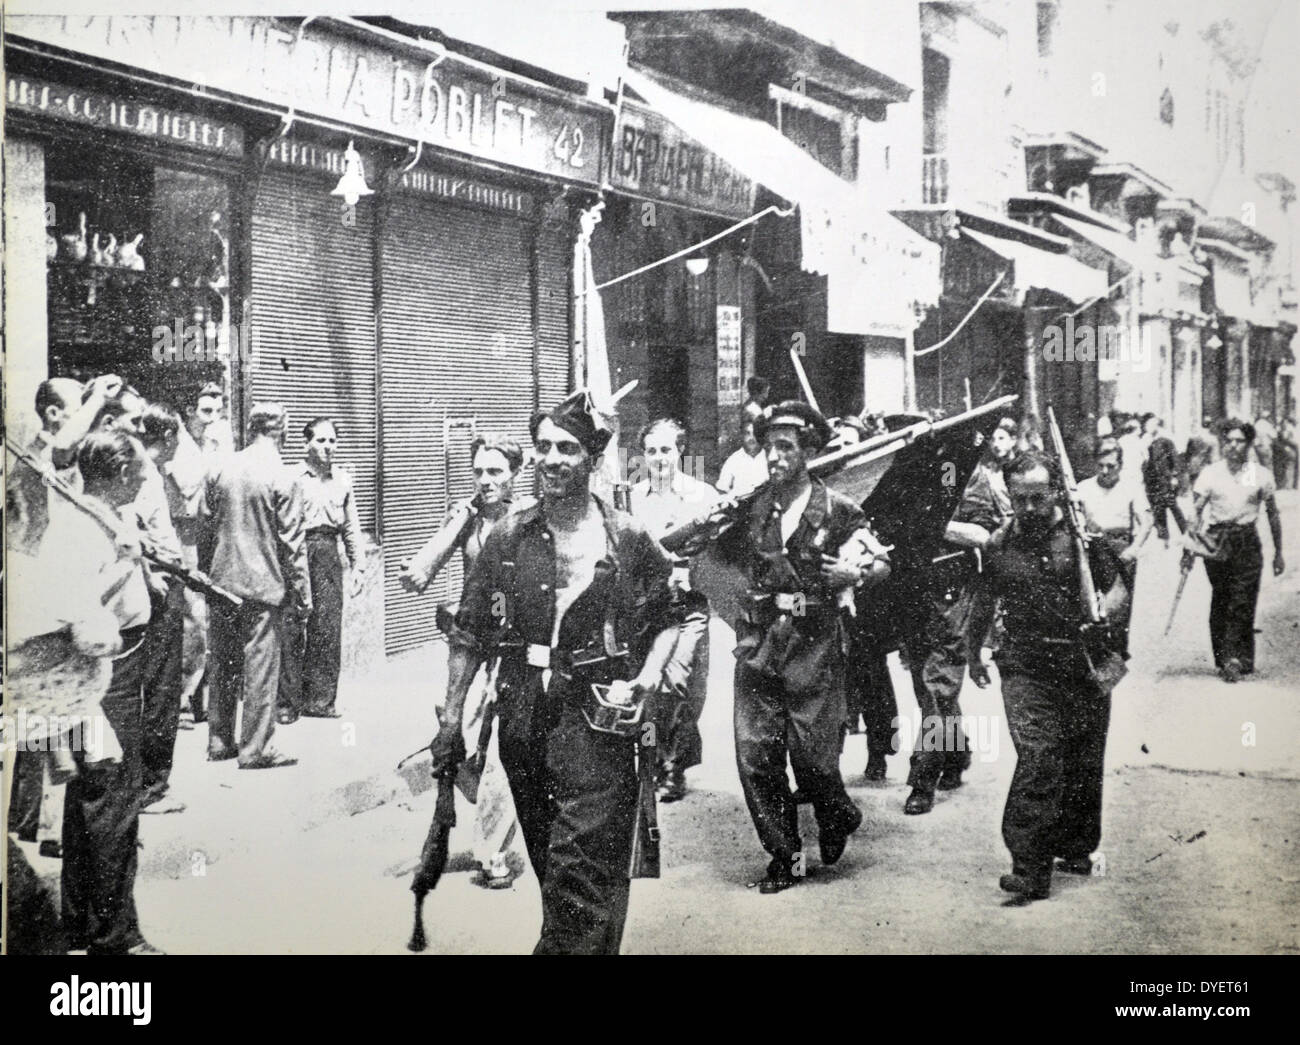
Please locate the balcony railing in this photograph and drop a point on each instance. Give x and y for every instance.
(934, 178)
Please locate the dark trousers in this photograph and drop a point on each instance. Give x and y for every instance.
(774, 723)
(1059, 729)
(869, 693)
(101, 819)
(25, 798)
(1161, 507)
(936, 655)
(309, 665)
(575, 795)
(1118, 541)
(245, 660)
(163, 680)
(1234, 581)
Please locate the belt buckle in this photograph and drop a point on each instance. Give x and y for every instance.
(539, 656)
(790, 602)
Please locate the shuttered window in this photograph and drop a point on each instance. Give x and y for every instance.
(313, 314)
(457, 356)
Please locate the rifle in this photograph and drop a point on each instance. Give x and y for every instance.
(1093, 605)
(691, 537)
(1184, 571)
(195, 580)
(644, 862)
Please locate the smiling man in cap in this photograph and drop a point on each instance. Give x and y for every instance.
(571, 595)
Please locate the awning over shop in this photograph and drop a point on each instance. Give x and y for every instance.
(1045, 270)
(876, 267)
(1132, 255)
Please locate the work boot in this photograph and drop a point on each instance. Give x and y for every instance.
(1080, 865)
(1028, 882)
(780, 876)
(918, 802)
(950, 780)
(835, 837)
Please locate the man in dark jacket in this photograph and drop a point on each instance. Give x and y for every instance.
(804, 548)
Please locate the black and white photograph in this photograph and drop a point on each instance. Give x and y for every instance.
(817, 478)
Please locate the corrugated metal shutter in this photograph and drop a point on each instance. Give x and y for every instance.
(555, 278)
(457, 342)
(313, 312)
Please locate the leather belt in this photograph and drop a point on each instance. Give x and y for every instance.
(323, 531)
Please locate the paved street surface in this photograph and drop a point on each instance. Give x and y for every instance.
(1200, 851)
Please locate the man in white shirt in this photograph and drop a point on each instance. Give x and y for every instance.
(101, 811)
(665, 499)
(1228, 495)
(1117, 508)
(746, 469)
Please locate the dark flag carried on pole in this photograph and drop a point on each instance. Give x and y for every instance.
(908, 481)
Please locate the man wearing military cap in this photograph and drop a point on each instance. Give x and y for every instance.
(804, 548)
(570, 595)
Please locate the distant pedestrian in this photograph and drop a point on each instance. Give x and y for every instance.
(1228, 496)
(757, 389)
(746, 469)
(1162, 478)
(310, 660)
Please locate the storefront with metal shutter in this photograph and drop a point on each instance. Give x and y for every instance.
(474, 338)
(312, 287)
(438, 306)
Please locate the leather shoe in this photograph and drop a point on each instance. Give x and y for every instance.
(51, 848)
(950, 780)
(322, 713)
(219, 752)
(1231, 670)
(286, 716)
(833, 840)
(918, 802)
(778, 878)
(144, 947)
(876, 769)
(269, 760)
(1080, 865)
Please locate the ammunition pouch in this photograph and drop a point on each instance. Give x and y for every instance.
(606, 715)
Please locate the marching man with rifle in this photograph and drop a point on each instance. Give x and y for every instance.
(804, 548)
(574, 598)
(1058, 663)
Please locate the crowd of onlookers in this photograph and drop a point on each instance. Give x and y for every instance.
(162, 578)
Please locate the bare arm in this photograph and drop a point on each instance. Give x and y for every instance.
(1275, 528)
(63, 446)
(983, 608)
(966, 535)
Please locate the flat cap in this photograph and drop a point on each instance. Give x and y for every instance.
(794, 413)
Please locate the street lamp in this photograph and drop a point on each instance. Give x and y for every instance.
(352, 186)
